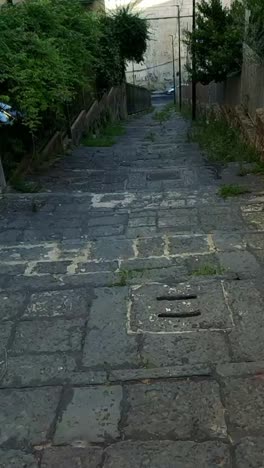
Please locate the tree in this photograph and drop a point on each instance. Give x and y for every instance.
(216, 41)
(255, 29)
(132, 33)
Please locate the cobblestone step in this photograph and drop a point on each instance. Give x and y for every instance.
(132, 320)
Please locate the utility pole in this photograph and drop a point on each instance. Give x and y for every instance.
(194, 65)
(179, 46)
(173, 68)
(133, 71)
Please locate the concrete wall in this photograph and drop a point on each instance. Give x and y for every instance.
(245, 89)
(252, 82)
(138, 99)
(157, 70)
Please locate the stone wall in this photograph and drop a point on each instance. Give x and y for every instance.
(112, 106)
(138, 99)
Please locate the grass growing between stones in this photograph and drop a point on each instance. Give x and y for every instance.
(232, 191)
(20, 185)
(169, 109)
(257, 169)
(208, 270)
(107, 136)
(165, 113)
(221, 142)
(151, 136)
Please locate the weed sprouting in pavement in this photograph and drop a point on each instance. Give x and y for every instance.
(106, 137)
(232, 191)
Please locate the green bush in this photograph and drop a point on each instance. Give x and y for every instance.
(255, 29)
(47, 50)
(216, 41)
(50, 50)
(132, 33)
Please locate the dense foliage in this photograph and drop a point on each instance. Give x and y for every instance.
(51, 50)
(132, 33)
(216, 41)
(255, 29)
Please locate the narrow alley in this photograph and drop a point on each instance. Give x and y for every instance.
(132, 311)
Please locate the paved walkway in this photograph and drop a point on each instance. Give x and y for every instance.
(132, 312)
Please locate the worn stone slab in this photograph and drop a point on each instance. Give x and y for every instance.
(142, 264)
(47, 336)
(71, 457)
(11, 304)
(134, 213)
(220, 218)
(149, 247)
(244, 403)
(106, 220)
(240, 369)
(36, 370)
(163, 175)
(66, 303)
(242, 263)
(249, 452)
(5, 332)
(107, 344)
(226, 241)
(247, 306)
(168, 275)
(142, 221)
(12, 268)
(103, 231)
(90, 415)
(188, 244)
(47, 282)
(125, 375)
(52, 268)
(184, 220)
(203, 265)
(186, 409)
(112, 249)
(141, 231)
(259, 255)
(255, 240)
(188, 307)
(27, 415)
(188, 348)
(17, 459)
(255, 219)
(167, 454)
(25, 252)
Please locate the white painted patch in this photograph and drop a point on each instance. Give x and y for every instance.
(98, 200)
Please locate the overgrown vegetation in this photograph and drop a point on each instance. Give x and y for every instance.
(216, 41)
(150, 136)
(222, 142)
(208, 270)
(232, 191)
(165, 113)
(20, 185)
(106, 137)
(53, 53)
(255, 27)
(257, 168)
(124, 276)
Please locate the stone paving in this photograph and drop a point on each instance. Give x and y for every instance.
(131, 311)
